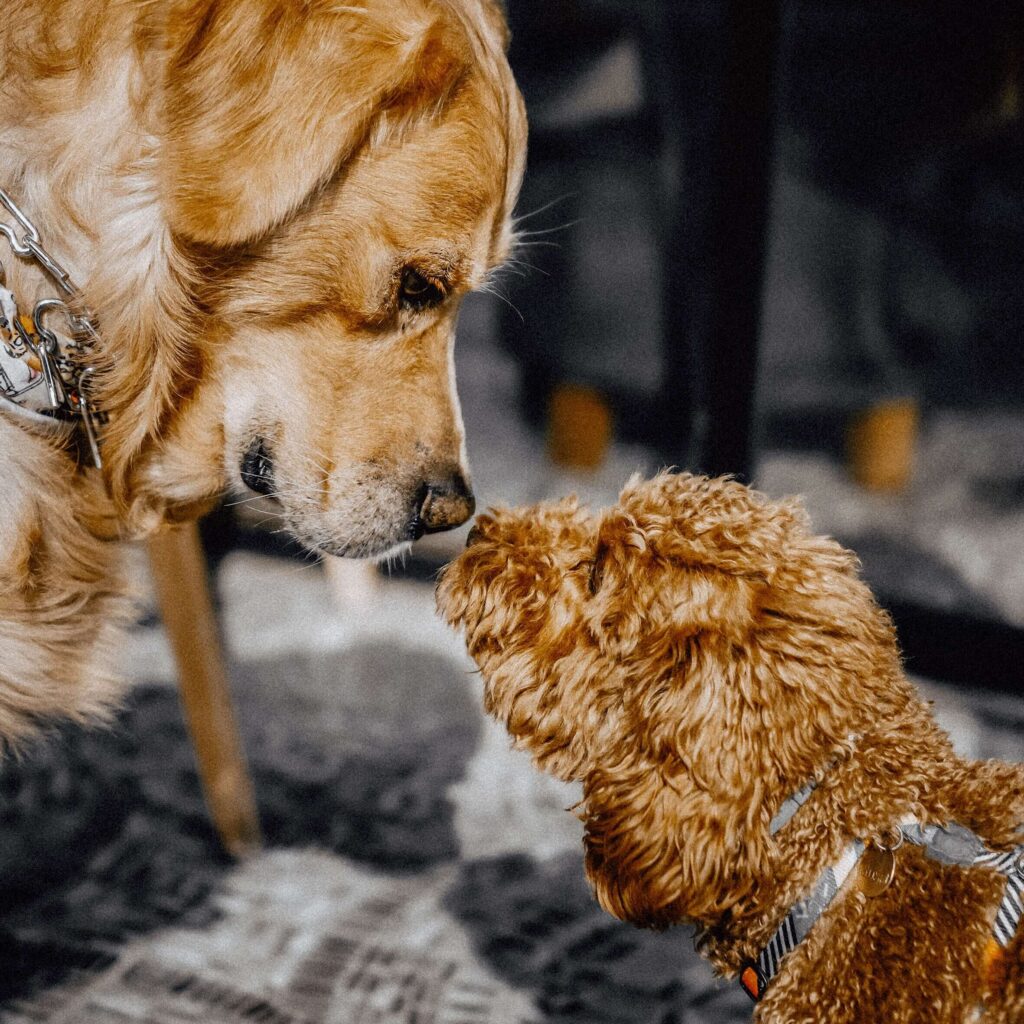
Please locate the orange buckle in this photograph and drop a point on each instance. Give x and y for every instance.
(751, 982)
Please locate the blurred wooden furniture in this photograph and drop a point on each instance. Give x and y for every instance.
(734, 243)
(579, 427)
(180, 578)
(880, 445)
(945, 645)
(354, 582)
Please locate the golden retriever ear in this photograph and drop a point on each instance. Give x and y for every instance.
(496, 14)
(266, 99)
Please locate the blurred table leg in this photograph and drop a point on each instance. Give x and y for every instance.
(579, 427)
(741, 177)
(354, 583)
(180, 577)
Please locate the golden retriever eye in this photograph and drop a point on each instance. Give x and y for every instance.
(418, 292)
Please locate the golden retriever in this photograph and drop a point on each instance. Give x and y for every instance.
(273, 209)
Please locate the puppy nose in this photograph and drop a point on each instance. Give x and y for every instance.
(258, 467)
(443, 505)
(474, 536)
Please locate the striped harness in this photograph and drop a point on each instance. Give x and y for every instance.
(950, 844)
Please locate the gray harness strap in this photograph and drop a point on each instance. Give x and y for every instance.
(954, 844)
(950, 844)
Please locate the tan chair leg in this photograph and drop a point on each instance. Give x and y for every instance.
(354, 583)
(579, 427)
(180, 577)
(880, 445)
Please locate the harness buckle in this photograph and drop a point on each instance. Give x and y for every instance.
(87, 416)
(752, 981)
(46, 351)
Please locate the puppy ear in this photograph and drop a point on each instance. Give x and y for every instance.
(676, 822)
(713, 522)
(645, 601)
(266, 100)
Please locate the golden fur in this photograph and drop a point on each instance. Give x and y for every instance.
(694, 656)
(238, 188)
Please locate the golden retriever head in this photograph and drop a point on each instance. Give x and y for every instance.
(692, 655)
(333, 178)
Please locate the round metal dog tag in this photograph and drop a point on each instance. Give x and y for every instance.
(877, 868)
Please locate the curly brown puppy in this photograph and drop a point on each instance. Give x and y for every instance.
(753, 758)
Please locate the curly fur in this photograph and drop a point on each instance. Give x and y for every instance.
(694, 655)
(238, 187)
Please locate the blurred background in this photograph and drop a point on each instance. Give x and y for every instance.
(780, 240)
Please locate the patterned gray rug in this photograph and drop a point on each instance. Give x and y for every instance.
(416, 870)
(118, 905)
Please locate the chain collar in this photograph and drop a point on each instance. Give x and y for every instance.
(45, 374)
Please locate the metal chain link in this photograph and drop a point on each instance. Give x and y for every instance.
(23, 238)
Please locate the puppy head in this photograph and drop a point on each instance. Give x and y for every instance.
(334, 178)
(517, 591)
(697, 654)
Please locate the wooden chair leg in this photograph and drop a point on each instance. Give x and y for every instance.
(880, 444)
(353, 583)
(579, 427)
(180, 577)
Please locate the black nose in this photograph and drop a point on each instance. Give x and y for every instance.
(258, 467)
(443, 505)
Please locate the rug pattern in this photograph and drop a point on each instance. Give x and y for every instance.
(371, 905)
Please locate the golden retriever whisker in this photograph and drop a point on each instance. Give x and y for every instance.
(543, 208)
(531, 245)
(549, 231)
(489, 289)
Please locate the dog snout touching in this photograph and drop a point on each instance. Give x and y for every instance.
(444, 505)
(258, 467)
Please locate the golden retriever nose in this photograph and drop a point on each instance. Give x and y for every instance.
(258, 467)
(443, 505)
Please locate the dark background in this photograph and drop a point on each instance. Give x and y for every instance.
(768, 218)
